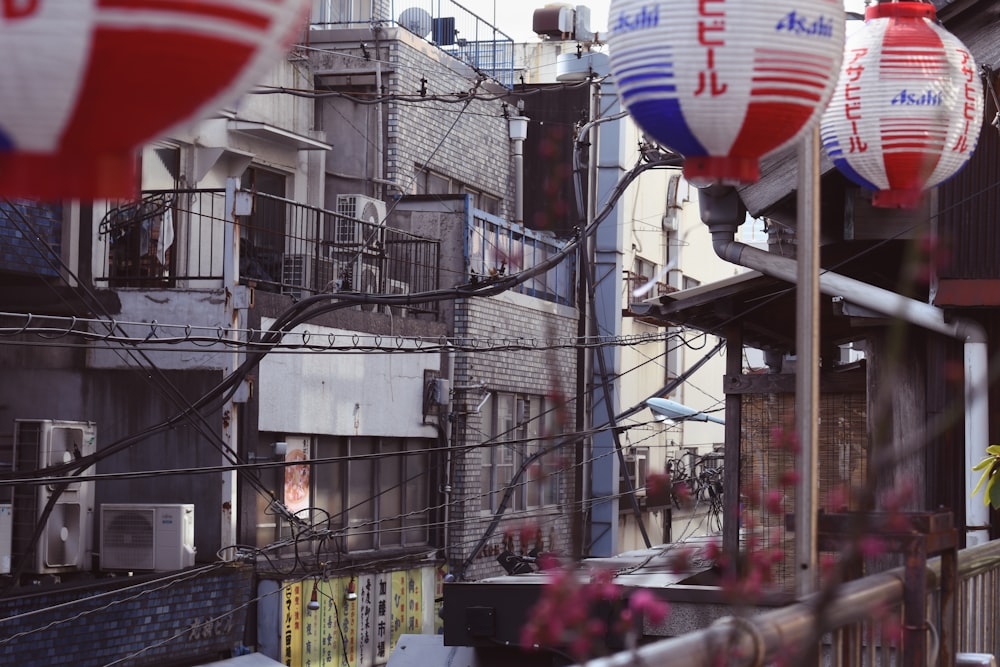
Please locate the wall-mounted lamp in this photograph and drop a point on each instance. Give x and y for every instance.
(280, 449)
(314, 598)
(351, 594)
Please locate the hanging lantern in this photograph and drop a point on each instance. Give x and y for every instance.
(83, 83)
(908, 107)
(725, 82)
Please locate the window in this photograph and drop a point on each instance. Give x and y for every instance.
(262, 233)
(430, 182)
(637, 465)
(377, 490)
(518, 426)
(339, 12)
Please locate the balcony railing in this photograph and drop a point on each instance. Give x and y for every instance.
(176, 239)
(865, 622)
(496, 247)
(634, 282)
(453, 28)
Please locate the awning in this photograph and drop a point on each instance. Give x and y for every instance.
(278, 135)
(763, 306)
(250, 660)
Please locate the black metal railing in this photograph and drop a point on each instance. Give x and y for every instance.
(453, 28)
(176, 239)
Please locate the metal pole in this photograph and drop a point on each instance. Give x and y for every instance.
(807, 364)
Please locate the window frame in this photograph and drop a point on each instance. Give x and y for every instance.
(512, 436)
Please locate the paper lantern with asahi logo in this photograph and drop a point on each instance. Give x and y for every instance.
(908, 107)
(725, 82)
(85, 82)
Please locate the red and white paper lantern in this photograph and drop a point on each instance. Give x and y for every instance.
(908, 107)
(725, 82)
(83, 83)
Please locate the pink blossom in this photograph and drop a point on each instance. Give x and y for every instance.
(657, 482)
(644, 602)
(789, 478)
(775, 501)
(872, 546)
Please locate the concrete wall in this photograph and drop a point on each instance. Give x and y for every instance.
(318, 393)
(466, 140)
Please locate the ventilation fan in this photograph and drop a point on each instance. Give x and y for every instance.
(127, 539)
(62, 537)
(416, 20)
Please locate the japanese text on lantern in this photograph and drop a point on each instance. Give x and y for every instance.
(852, 97)
(969, 109)
(711, 23)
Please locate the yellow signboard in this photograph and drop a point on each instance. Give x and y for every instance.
(291, 618)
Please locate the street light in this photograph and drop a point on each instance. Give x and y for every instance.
(674, 411)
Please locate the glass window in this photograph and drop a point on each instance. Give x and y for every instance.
(329, 491)
(375, 490)
(416, 496)
(517, 427)
(360, 495)
(390, 494)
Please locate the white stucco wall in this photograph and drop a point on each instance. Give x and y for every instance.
(349, 393)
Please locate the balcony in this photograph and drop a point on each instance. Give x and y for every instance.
(634, 281)
(176, 240)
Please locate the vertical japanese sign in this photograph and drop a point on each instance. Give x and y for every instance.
(291, 653)
(383, 617)
(329, 640)
(439, 573)
(311, 625)
(349, 623)
(397, 607)
(351, 630)
(366, 620)
(414, 601)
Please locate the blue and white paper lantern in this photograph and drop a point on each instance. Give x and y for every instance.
(725, 82)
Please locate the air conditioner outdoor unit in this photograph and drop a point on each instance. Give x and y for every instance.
(302, 273)
(65, 542)
(362, 207)
(139, 536)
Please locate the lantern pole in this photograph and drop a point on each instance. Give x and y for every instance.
(807, 362)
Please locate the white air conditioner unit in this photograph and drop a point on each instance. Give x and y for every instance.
(139, 536)
(302, 274)
(65, 542)
(361, 207)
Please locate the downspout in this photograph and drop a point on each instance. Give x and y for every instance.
(723, 223)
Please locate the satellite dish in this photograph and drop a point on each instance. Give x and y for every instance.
(416, 20)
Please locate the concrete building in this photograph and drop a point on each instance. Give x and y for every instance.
(357, 456)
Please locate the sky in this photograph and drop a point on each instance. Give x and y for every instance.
(514, 16)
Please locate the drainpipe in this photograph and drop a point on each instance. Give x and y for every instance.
(724, 217)
(517, 127)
